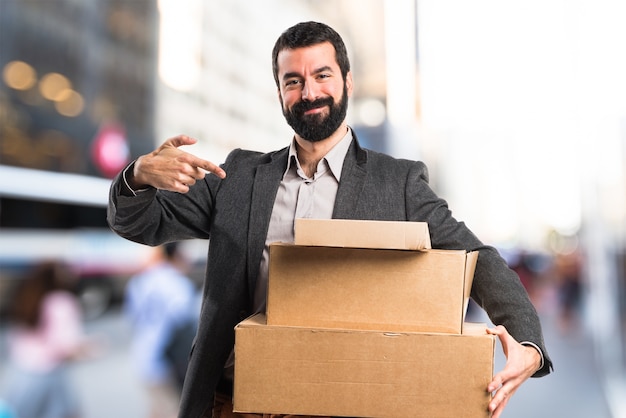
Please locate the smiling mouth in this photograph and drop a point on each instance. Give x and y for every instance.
(317, 107)
(314, 110)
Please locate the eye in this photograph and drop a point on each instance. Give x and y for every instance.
(292, 84)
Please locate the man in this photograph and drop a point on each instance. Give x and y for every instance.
(253, 199)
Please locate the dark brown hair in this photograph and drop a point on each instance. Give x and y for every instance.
(307, 34)
(25, 305)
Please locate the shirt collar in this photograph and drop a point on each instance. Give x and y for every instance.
(334, 158)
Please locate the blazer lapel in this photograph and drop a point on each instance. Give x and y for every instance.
(266, 182)
(353, 176)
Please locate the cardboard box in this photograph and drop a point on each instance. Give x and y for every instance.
(362, 234)
(355, 288)
(334, 372)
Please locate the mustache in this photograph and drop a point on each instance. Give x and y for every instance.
(303, 106)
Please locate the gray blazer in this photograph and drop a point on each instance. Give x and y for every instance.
(235, 213)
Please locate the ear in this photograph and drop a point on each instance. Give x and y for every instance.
(349, 83)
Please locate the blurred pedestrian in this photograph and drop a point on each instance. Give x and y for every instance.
(568, 269)
(45, 334)
(160, 303)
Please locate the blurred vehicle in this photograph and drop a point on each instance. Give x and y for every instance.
(102, 260)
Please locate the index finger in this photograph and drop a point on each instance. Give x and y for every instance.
(208, 166)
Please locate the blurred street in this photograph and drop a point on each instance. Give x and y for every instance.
(523, 133)
(108, 386)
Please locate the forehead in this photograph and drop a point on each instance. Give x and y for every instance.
(310, 58)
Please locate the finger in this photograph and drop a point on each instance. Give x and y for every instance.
(504, 337)
(180, 188)
(497, 410)
(500, 331)
(188, 181)
(501, 398)
(198, 174)
(196, 162)
(496, 382)
(200, 163)
(509, 374)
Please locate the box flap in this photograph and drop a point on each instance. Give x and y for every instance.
(253, 321)
(396, 235)
(470, 268)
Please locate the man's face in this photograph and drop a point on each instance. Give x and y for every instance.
(312, 92)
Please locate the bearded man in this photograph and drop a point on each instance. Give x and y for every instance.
(252, 199)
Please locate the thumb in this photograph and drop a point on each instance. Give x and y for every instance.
(503, 336)
(499, 330)
(180, 140)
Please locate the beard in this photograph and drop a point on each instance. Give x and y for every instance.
(317, 127)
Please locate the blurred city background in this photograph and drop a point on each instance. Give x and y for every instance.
(517, 107)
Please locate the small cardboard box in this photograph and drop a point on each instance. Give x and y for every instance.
(362, 234)
(335, 372)
(356, 288)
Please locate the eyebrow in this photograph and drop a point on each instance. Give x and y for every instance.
(316, 71)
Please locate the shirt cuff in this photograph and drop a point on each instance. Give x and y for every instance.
(134, 192)
(536, 347)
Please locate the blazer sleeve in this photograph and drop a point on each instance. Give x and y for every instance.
(496, 288)
(153, 217)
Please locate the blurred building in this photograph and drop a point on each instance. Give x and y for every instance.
(77, 95)
(215, 76)
(77, 101)
(88, 85)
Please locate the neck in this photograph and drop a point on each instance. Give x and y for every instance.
(311, 153)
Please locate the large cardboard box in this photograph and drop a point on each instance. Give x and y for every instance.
(392, 235)
(369, 289)
(335, 372)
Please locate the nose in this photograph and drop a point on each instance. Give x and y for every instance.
(310, 91)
